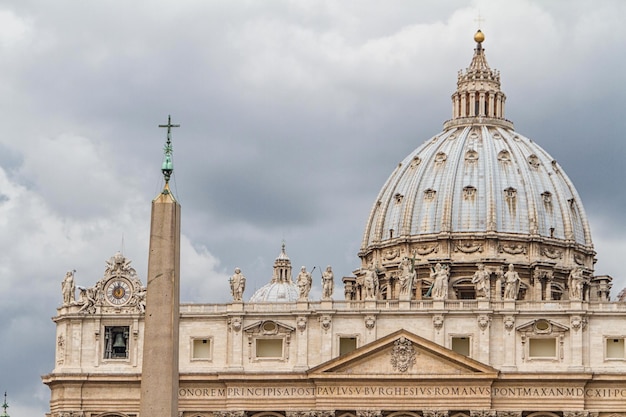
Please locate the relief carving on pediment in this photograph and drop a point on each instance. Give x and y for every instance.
(402, 355)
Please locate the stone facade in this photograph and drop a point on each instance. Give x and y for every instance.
(484, 319)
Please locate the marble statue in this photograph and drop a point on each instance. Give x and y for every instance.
(406, 278)
(237, 285)
(576, 284)
(481, 281)
(440, 276)
(327, 283)
(304, 282)
(511, 283)
(68, 288)
(370, 283)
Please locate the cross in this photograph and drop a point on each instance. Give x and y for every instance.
(479, 20)
(169, 126)
(167, 167)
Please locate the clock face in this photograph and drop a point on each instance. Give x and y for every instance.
(118, 292)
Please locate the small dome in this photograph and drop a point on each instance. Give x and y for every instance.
(281, 288)
(276, 292)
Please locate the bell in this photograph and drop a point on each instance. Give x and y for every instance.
(119, 341)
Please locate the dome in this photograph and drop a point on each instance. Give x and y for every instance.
(281, 288)
(479, 193)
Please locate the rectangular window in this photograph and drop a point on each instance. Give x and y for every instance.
(269, 348)
(542, 348)
(201, 349)
(615, 348)
(461, 344)
(347, 344)
(116, 342)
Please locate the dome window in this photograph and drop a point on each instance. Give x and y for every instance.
(533, 161)
(441, 157)
(430, 194)
(415, 162)
(398, 197)
(471, 156)
(469, 192)
(510, 194)
(504, 156)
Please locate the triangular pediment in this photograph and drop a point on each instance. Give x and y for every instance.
(403, 354)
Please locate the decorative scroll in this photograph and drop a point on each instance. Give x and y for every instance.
(238, 413)
(551, 252)
(426, 249)
(435, 413)
(509, 322)
(325, 322)
(579, 259)
(513, 249)
(509, 414)
(468, 247)
(482, 413)
(438, 322)
(483, 321)
(301, 323)
(369, 413)
(235, 323)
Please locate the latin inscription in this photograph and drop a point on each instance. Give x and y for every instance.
(403, 391)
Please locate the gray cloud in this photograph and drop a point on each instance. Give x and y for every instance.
(293, 114)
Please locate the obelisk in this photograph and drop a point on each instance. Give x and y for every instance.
(159, 372)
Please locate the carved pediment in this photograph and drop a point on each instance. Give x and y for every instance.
(268, 328)
(542, 326)
(403, 354)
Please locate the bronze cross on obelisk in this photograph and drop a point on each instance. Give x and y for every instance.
(168, 167)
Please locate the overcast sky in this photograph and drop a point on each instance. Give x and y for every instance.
(292, 113)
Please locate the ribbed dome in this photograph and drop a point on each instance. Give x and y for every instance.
(281, 289)
(477, 193)
(478, 178)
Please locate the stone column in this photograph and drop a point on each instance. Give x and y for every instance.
(464, 105)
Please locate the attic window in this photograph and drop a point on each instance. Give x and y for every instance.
(461, 344)
(269, 348)
(615, 348)
(201, 348)
(347, 344)
(542, 348)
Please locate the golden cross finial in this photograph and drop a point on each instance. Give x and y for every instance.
(479, 19)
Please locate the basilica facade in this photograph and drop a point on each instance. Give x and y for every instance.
(475, 296)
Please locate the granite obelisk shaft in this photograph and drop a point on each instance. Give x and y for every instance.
(159, 375)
